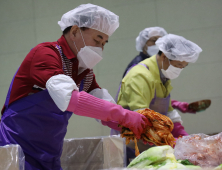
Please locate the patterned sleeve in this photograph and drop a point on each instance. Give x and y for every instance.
(94, 84)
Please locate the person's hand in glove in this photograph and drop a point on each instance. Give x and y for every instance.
(178, 130)
(175, 143)
(145, 142)
(84, 104)
(194, 107)
(181, 106)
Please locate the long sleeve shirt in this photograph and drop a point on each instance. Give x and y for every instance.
(140, 85)
(44, 61)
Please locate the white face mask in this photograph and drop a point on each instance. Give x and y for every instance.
(172, 72)
(88, 56)
(152, 50)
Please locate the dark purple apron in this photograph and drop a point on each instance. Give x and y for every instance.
(38, 126)
(160, 105)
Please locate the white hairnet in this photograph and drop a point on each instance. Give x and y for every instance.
(91, 16)
(146, 34)
(178, 48)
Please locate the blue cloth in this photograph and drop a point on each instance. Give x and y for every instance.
(130, 155)
(135, 61)
(38, 126)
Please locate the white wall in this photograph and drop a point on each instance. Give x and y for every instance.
(25, 23)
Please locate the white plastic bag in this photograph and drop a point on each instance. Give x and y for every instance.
(12, 157)
(200, 149)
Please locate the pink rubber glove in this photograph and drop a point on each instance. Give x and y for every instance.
(84, 104)
(178, 130)
(181, 106)
(175, 144)
(112, 125)
(145, 142)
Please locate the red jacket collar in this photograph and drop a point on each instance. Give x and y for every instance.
(65, 48)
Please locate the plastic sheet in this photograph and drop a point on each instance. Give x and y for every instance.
(11, 158)
(93, 153)
(200, 149)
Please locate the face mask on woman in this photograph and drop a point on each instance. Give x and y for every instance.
(152, 50)
(172, 72)
(88, 56)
